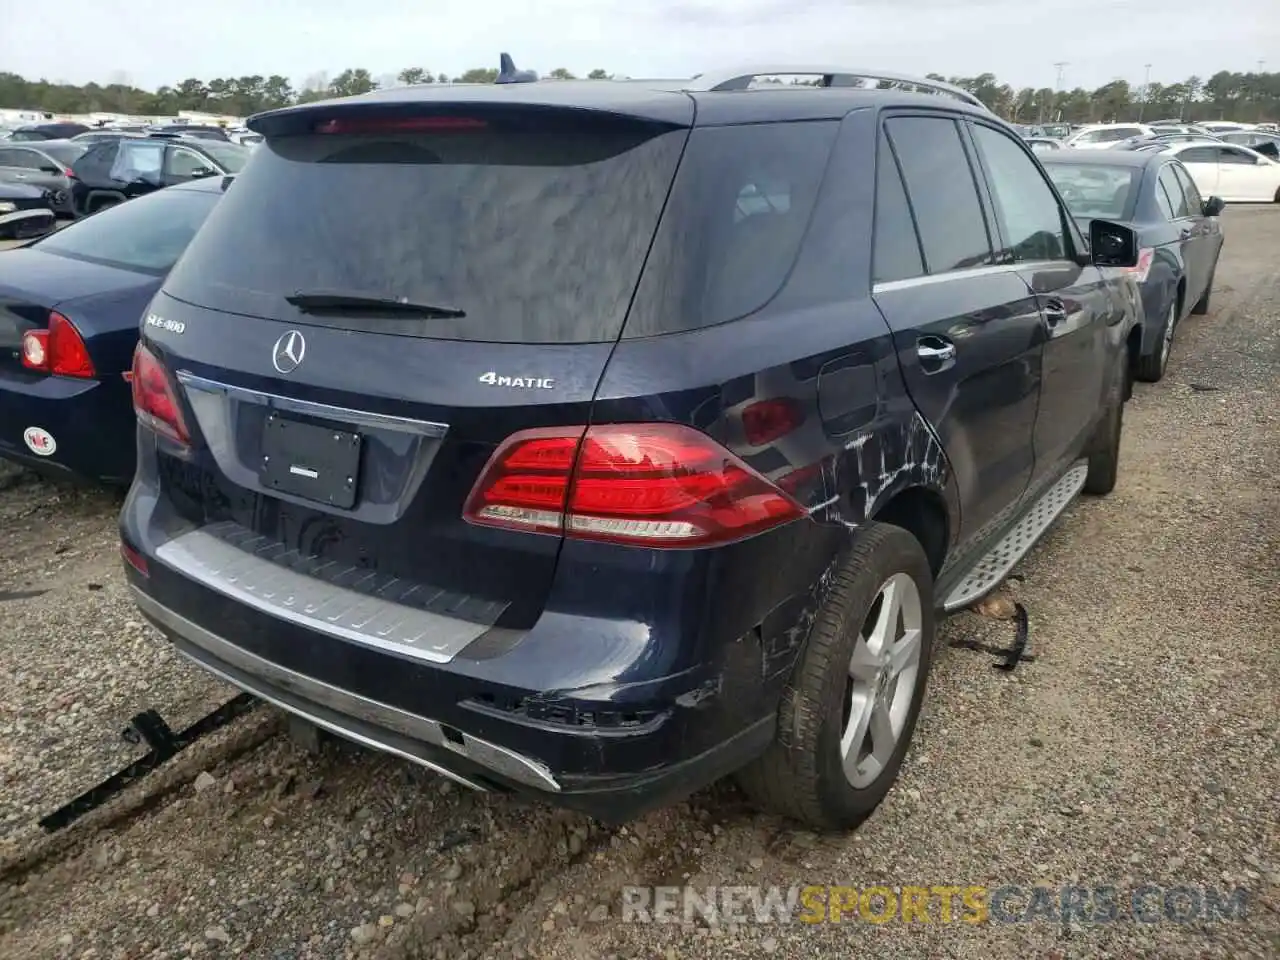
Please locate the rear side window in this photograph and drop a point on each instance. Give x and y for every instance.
(942, 192)
(96, 162)
(1172, 186)
(1195, 204)
(1199, 155)
(896, 250)
(1030, 217)
(1232, 155)
(733, 227)
(537, 231)
(1164, 201)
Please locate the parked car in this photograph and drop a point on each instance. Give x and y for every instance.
(117, 170)
(97, 136)
(1219, 127)
(45, 164)
(25, 212)
(1235, 173)
(70, 307)
(1100, 136)
(1193, 129)
(47, 131)
(1267, 144)
(480, 479)
(193, 130)
(1043, 144)
(1179, 235)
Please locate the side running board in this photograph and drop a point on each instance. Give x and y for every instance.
(995, 565)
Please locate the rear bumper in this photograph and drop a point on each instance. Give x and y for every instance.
(567, 712)
(473, 761)
(91, 422)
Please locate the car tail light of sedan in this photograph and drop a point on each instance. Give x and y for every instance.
(58, 349)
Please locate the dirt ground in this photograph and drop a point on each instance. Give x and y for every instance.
(1139, 746)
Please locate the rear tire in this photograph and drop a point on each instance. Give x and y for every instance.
(1104, 449)
(1151, 366)
(847, 715)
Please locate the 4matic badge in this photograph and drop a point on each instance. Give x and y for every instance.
(492, 379)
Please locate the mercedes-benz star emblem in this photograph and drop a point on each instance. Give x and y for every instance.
(289, 351)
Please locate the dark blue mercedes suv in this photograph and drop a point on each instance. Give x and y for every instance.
(599, 439)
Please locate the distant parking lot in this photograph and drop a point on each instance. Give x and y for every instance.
(1138, 750)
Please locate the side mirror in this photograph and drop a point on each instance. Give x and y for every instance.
(201, 172)
(1213, 206)
(1112, 244)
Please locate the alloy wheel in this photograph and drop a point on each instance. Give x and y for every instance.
(882, 680)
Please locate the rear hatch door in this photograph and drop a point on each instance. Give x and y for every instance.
(409, 286)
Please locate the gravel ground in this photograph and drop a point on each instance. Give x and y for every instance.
(1139, 746)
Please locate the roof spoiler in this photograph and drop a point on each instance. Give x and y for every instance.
(508, 73)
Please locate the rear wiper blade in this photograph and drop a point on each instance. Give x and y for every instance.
(348, 304)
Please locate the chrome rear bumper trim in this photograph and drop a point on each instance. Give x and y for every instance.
(368, 722)
(326, 608)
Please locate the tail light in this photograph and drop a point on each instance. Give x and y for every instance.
(134, 559)
(657, 485)
(154, 400)
(1143, 267)
(766, 420)
(59, 349)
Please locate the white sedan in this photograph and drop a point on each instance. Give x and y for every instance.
(1234, 173)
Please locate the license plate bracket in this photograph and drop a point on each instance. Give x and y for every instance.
(310, 461)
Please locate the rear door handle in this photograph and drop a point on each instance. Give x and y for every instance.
(1055, 311)
(936, 353)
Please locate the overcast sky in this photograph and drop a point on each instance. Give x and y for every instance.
(154, 42)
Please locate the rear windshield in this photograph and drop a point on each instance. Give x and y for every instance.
(1095, 190)
(147, 234)
(536, 233)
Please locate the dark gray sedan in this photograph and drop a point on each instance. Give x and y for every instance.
(1178, 230)
(45, 164)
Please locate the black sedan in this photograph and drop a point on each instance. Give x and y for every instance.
(47, 131)
(1178, 230)
(70, 309)
(25, 212)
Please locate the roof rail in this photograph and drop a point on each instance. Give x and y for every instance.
(740, 79)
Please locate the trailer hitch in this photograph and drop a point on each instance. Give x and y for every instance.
(150, 728)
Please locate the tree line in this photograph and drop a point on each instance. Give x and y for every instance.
(1225, 95)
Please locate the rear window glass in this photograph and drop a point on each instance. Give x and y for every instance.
(1095, 190)
(537, 233)
(738, 212)
(146, 234)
